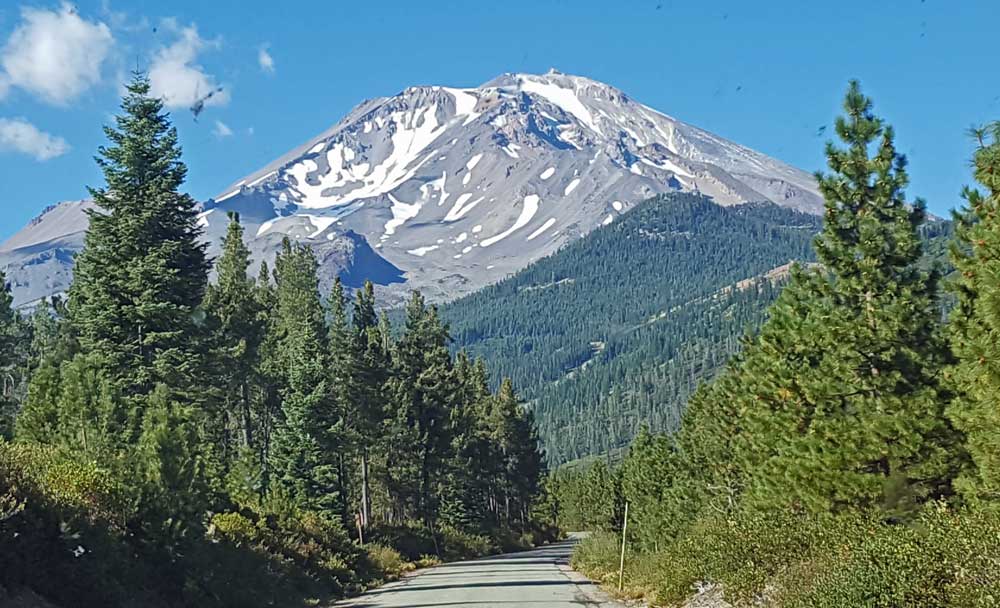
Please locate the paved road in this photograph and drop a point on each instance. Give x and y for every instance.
(537, 578)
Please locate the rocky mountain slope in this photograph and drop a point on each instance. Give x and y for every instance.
(448, 190)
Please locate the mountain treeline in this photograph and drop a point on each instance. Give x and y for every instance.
(176, 442)
(849, 455)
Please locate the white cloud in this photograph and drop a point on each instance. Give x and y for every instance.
(222, 130)
(175, 75)
(19, 135)
(265, 60)
(54, 54)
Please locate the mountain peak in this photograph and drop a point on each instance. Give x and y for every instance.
(456, 187)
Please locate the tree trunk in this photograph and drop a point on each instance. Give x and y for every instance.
(247, 422)
(365, 490)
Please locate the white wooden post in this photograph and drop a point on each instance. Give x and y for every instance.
(621, 564)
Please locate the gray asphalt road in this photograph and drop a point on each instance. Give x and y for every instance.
(541, 577)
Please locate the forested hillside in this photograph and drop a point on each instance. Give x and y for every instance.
(848, 455)
(618, 328)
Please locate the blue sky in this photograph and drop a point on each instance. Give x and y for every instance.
(764, 74)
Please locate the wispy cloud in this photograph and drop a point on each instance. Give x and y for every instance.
(175, 75)
(222, 130)
(54, 54)
(265, 60)
(19, 135)
(121, 21)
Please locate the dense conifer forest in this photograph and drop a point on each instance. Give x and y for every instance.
(848, 455)
(167, 441)
(618, 329)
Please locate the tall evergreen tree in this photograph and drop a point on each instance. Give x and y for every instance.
(422, 388)
(476, 465)
(304, 457)
(142, 271)
(17, 339)
(523, 463)
(10, 361)
(268, 374)
(975, 322)
(370, 371)
(238, 327)
(841, 396)
(341, 359)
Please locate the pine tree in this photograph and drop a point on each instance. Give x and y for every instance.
(170, 470)
(142, 271)
(266, 398)
(9, 359)
(475, 467)
(422, 387)
(370, 369)
(601, 499)
(975, 323)
(304, 456)
(840, 394)
(522, 462)
(51, 345)
(91, 417)
(341, 361)
(238, 328)
(647, 474)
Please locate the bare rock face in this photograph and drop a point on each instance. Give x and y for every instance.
(447, 190)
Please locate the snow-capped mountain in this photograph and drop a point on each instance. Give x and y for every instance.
(447, 189)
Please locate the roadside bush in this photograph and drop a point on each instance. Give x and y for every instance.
(414, 541)
(68, 531)
(62, 529)
(944, 558)
(411, 539)
(385, 563)
(316, 546)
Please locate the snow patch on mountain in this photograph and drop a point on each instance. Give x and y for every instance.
(528, 210)
(392, 185)
(541, 229)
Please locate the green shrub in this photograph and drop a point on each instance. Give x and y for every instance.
(597, 556)
(411, 539)
(316, 545)
(235, 527)
(70, 536)
(386, 563)
(944, 558)
(458, 545)
(414, 540)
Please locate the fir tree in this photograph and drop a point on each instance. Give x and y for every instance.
(238, 326)
(341, 359)
(142, 271)
(422, 387)
(9, 359)
(304, 456)
(475, 467)
(522, 462)
(370, 371)
(840, 394)
(975, 323)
